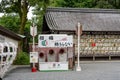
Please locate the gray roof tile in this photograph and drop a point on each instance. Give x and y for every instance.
(91, 19)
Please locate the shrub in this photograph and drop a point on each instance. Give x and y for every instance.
(22, 58)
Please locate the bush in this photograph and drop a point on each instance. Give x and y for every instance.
(22, 58)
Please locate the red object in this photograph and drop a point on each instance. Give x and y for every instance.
(41, 55)
(93, 44)
(34, 69)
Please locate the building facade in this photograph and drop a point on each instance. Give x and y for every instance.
(9, 36)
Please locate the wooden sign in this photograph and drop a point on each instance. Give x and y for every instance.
(80, 29)
(33, 30)
(33, 57)
(53, 40)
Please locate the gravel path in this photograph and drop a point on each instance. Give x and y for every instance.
(90, 71)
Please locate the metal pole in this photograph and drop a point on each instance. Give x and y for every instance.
(33, 32)
(78, 59)
(33, 44)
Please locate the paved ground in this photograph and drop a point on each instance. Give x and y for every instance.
(90, 71)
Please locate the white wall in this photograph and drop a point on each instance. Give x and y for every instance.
(7, 39)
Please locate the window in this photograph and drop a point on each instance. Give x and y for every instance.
(5, 49)
(50, 37)
(41, 37)
(11, 49)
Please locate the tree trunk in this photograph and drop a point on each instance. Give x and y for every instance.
(23, 18)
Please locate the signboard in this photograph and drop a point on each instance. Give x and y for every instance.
(80, 29)
(33, 30)
(33, 57)
(54, 40)
(44, 66)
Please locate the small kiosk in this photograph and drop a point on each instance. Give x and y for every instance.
(55, 52)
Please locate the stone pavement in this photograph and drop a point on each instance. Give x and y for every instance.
(94, 70)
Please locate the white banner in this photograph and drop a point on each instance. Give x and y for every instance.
(54, 40)
(44, 66)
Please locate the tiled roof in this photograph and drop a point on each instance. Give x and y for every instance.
(91, 19)
(9, 33)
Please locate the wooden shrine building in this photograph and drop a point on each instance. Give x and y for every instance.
(101, 29)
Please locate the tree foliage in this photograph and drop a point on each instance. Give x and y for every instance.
(103, 4)
(22, 59)
(16, 6)
(89, 3)
(21, 8)
(10, 21)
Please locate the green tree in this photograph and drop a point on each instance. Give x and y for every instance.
(21, 8)
(67, 3)
(39, 11)
(115, 3)
(10, 21)
(103, 4)
(88, 3)
(16, 6)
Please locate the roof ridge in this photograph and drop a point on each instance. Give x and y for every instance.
(85, 10)
(4, 31)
